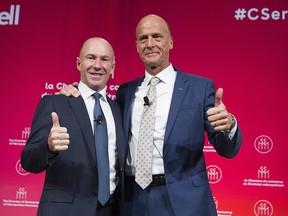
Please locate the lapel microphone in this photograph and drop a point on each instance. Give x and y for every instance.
(99, 119)
(146, 101)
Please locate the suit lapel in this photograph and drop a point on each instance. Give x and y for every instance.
(80, 112)
(180, 89)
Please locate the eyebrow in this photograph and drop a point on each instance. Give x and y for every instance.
(153, 35)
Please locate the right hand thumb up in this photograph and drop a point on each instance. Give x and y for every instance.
(55, 119)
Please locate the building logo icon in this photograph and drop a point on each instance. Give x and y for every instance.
(20, 170)
(22, 141)
(21, 194)
(263, 144)
(26, 133)
(263, 173)
(263, 208)
(214, 174)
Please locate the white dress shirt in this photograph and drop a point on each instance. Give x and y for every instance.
(89, 100)
(164, 96)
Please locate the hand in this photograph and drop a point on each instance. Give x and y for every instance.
(70, 90)
(219, 118)
(58, 139)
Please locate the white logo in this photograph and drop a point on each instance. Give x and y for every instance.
(20, 170)
(263, 208)
(21, 193)
(214, 174)
(263, 172)
(26, 133)
(263, 144)
(12, 17)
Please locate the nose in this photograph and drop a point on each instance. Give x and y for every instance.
(150, 42)
(97, 63)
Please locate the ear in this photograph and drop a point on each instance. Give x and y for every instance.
(171, 42)
(78, 63)
(137, 46)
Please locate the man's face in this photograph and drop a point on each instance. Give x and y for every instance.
(153, 43)
(96, 63)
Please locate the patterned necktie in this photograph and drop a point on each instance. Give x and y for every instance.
(101, 144)
(143, 174)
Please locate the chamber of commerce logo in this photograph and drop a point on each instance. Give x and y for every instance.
(11, 17)
(21, 200)
(24, 136)
(21, 193)
(263, 208)
(214, 174)
(263, 172)
(263, 144)
(263, 179)
(20, 170)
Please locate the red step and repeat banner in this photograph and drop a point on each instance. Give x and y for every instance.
(241, 45)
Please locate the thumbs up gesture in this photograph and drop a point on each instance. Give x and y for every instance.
(58, 139)
(219, 118)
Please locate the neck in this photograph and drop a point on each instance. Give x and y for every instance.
(154, 70)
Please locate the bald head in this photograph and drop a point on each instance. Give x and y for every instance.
(152, 18)
(99, 44)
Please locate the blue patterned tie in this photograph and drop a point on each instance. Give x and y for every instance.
(101, 143)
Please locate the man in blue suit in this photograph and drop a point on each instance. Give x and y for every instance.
(62, 142)
(187, 106)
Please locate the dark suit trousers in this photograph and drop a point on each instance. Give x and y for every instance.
(111, 208)
(153, 201)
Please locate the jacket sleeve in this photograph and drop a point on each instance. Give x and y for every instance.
(221, 142)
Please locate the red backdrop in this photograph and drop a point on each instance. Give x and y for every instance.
(241, 45)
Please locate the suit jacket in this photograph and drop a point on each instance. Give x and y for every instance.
(71, 181)
(185, 169)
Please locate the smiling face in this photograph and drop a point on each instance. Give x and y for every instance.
(153, 42)
(96, 62)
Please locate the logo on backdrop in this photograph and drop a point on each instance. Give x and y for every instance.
(263, 208)
(21, 194)
(22, 141)
(10, 17)
(20, 170)
(20, 200)
(263, 172)
(263, 179)
(263, 144)
(214, 174)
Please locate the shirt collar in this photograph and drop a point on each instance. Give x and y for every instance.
(166, 76)
(86, 92)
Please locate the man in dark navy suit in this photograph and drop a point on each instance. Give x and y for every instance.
(187, 106)
(62, 142)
